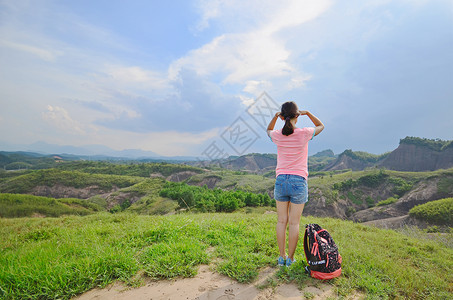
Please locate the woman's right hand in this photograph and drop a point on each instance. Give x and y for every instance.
(303, 112)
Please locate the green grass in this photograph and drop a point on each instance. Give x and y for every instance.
(58, 258)
(17, 205)
(232, 180)
(388, 201)
(445, 185)
(437, 212)
(50, 177)
(128, 169)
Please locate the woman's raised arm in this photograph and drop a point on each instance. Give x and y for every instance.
(317, 122)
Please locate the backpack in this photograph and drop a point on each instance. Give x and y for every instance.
(323, 258)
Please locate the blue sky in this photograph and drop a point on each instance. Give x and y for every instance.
(172, 76)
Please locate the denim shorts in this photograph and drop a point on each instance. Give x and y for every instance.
(293, 188)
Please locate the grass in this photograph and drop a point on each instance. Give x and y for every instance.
(388, 201)
(58, 258)
(17, 205)
(232, 180)
(51, 177)
(436, 212)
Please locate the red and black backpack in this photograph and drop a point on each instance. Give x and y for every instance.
(323, 258)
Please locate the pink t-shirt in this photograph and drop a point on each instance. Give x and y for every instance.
(292, 151)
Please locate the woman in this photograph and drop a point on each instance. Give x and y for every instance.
(291, 190)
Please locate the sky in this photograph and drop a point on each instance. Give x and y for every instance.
(192, 77)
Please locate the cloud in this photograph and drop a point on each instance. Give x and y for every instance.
(257, 86)
(209, 9)
(193, 105)
(44, 54)
(59, 118)
(136, 75)
(257, 52)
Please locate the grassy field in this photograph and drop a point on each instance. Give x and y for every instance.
(58, 258)
(17, 205)
(50, 177)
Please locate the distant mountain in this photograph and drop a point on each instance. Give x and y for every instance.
(417, 154)
(413, 154)
(264, 162)
(94, 152)
(354, 160)
(325, 153)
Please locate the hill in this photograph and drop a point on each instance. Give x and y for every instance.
(17, 205)
(370, 195)
(416, 154)
(439, 212)
(357, 195)
(413, 154)
(261, 163)
(70, 255)
(354, 160)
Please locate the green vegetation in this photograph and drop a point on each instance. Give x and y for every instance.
(437, 212)
(50, 177)
(97, 249)
(316, 163)
(212, 200)
(16, 205)
(388, 201)
(150, 202)
(132, 169)
(400, 186)
(445, 185)
(58, 258)
(353, 189)
(365, 156)
(25, 160)
(227, 179)
(436, 144)
(370, 180)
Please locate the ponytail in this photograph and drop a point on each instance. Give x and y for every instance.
(289, 111)
(288, 128)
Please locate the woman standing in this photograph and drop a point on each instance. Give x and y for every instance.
(291, 190)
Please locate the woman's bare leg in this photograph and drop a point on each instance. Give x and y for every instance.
(282, 213)
(295, 211)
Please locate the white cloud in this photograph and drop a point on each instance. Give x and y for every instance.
(210, 9)
(136, 75)
(256, 87)
(256, 53)
(59, 118)
(166, 143)
(174, 142)
(44, 54)
(298, 81)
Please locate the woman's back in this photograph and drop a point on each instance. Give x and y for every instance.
(292, 151)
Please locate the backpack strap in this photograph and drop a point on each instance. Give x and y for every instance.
(306, 245)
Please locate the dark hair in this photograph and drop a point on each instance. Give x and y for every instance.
(289, 111)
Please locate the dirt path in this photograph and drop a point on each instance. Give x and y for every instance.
(209, 285)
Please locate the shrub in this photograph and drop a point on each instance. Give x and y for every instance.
(207, 200)
(401, 186)
(438, 212)
(373, 180)
(387, 201)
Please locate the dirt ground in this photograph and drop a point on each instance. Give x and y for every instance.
(209, 285)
